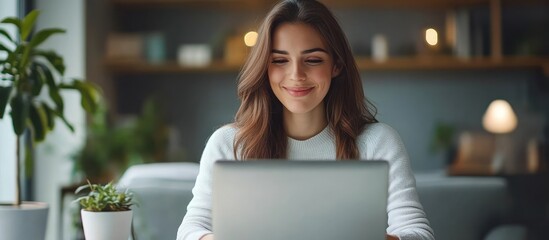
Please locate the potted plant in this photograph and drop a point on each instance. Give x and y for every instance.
(31, 82)
(110, 148)
(443, 141)
(106, 213)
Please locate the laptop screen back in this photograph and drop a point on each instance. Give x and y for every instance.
(322, 200)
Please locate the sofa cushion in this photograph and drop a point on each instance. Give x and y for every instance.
(162, 192)
(461, 208)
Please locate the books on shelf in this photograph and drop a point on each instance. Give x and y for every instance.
(458, 32)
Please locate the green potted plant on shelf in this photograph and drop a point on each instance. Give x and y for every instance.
(106, 213)
(31, 82)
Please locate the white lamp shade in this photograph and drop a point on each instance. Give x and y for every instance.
(499, 117)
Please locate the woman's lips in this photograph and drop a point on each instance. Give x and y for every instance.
(299, 91)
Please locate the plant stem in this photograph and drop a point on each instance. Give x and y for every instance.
(17, 170)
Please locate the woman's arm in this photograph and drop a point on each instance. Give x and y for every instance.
(406, 218)
(197, 223)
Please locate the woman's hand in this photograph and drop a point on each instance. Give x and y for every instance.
(207, 237)
(392, 237)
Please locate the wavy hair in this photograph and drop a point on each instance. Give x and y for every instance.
(260, 133)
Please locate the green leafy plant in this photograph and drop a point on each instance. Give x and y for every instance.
(26, 73)
(104, 198)
(443, 137)
(111, 148)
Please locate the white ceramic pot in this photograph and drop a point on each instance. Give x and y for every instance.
(26, 221)
(106, 225)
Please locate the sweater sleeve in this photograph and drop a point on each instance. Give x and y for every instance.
(198, 220)
(406, 217)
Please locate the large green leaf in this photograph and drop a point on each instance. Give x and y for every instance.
(42, 35)
(28, 23)
(89, 93)
(39, 122)
(36, 79)
(6, 34)
(38, 38)
(53, 89)
(20, 105)
(62, 117)
(21, 56)
(15, 21)
(4, 97)
(57, 99)
(50, 115)
(53, 58)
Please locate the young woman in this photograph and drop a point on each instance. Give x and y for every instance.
(301, 99)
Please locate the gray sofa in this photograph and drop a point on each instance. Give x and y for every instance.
(464, 208)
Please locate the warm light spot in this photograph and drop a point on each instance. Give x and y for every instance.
(499, 117)
(250, 38)
(431, 36)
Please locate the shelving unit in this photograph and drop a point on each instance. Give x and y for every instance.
(496, 60)
(108, 72)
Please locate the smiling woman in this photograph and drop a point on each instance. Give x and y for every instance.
(302, 99)
(300, 74)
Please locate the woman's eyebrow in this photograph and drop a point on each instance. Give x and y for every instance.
(303, 52)
(314, 50)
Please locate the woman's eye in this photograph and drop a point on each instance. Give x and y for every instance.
(279, 61)
(314, 61)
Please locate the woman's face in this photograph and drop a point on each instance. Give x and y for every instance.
(300, 69)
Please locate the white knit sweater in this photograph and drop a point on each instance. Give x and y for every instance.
(406, 217)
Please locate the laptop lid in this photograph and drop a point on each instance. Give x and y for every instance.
(278, 199)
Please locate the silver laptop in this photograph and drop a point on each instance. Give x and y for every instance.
(320, 200)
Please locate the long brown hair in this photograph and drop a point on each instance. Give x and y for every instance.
(260, 131)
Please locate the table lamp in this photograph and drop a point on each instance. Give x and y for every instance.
(500, 119)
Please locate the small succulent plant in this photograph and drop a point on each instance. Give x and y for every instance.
(104, 198)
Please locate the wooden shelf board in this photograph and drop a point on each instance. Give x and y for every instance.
(363, 64)
(236, 4)
(403, 3)
(451, 63)
(226, 4)
(331, 3)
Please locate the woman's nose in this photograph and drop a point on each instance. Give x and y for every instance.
(297, 72)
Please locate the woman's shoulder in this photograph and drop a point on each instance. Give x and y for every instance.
(374, 132)
(379, 141)
(378, 129)
(225, 134)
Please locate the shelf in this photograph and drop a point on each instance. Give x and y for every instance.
(331, 3)
(223, 4)
(440, 4)
(364, 64)
(404, 3)
(452, 63)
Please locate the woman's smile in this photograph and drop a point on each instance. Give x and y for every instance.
(299, 91)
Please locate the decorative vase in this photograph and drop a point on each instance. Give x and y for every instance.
(25, 221)
(106, 225)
